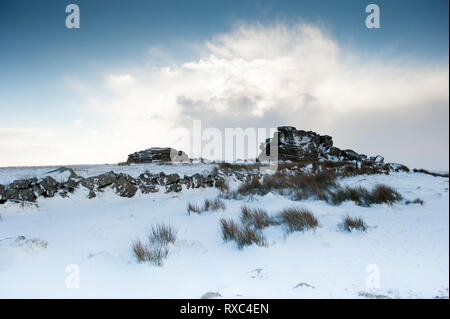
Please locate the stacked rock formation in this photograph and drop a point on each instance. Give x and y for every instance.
(299, 145)
(163, 154)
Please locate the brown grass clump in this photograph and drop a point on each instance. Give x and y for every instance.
(192, 208)
(208, 205)
(354, 223)
(256, 217)
(229, 229)
(248, 236)
(416, 201)
(245, 235)
(302, 185)
(139, 250)
(384, 194)
(359, 195)
(156, 249)
(222, 185)
(213, 205)
(162, 234)
(149, 253)
(297, 219)
(252, 187)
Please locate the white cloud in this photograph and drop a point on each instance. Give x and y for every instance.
(270, 75)
(280, 74)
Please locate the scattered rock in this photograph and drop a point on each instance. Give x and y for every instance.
(15, 194)
(171, 179)
(104, 180)
(63, 194)
(88, 183)
(124, 188)
(186, 180)
(72, 183)
(34, 244)
(398, 167)
(174, 188)
(20, 238)
(303, 284)
(198, 180)
(50, 186)
(23, 183)
(147, 189)
(27, 195)
(148, 178)
(372, 296)
(210, 295)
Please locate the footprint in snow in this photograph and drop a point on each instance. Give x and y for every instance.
(257, 273)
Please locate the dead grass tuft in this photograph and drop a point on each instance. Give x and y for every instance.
(297, 219)
(245, 235)
(354, 223)
(359, 195)
(192, 208)
(408, 202)
(256, 217)
(156, 249)
(208, 205)
(213, 205)
(384, 194)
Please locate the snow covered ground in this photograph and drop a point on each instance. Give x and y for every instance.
(403, 254)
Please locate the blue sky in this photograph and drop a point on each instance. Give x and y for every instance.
(47, 71)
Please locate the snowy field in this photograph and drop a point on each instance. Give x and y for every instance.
(403, 254)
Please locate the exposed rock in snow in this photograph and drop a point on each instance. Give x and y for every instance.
(2, 194)
(50, 186)
(165, 154)
(211, 295)
(299, 145)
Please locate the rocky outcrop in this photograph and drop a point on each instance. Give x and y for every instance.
(162, 154)
(299, 145)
